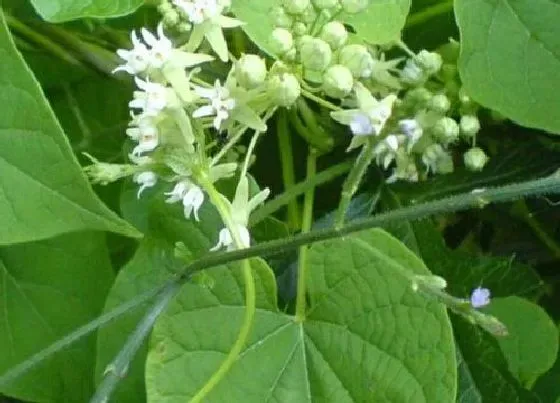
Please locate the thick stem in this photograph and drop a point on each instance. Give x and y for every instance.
(287, 163)
(352, 183)
(429, 13)
(305, 227)
(250, 294)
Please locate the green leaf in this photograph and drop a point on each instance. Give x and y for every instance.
(367, 336)
(382, 22)
(65, 10)
(49, 288)
(152, 265)
(43, 192)
(532, 344)
(548, 385)
(510, 58)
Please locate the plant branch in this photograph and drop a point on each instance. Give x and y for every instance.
(287, 164)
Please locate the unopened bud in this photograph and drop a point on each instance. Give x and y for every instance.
(309, 15)
(470, 125)
(281, 18)
(439, 103)
(316, 54)
(475, 159)
(281, 41)
(284, 89)
(430, 61)
(250, 71)
(357, 59)
(335, 34)
(325, 4)
(354, 6)
(296, 6)
(446, 130)
(412, 74)
(338, 81)
(299, 28)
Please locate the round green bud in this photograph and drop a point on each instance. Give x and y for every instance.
(446, 130)
(281, 18)
(475, 159)
(250, 71)
(325, 4)
(296, 6)
(354, 6)
(357, 59)
(309, 15)
(418, 96)
(316, 54)
(439, 103)
(335, 34)
(281, 41)
(338, 81)
(299, 28)
(284, 89)
(470, 125)
(430, 61)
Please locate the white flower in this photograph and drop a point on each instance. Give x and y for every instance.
(191, 195)
(412, 73)
(386, 151)
(145, 179)
(220, 103)
(360, 125)
(412, 129)
(198, 11)
(225, 239)
(161, 48)
(152, 99)
(145, 133)
(137, 59)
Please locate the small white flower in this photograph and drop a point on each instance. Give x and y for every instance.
(137, 59)
(220, 103)
(145, 133)
(360, 125)
(152, 99)
(145, 179)
(386, 151)
(191, 195)
(198, 11)
(161, 47)
(412, 73)
(480, 297)
(412, 129)
(225, 239)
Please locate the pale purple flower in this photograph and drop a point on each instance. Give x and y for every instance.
(360, 125)
(480, 297)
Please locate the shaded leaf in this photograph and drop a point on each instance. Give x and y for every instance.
(65, 10)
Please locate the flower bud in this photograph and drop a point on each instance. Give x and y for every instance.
(470, 125)
(446, 130)
(281, 18)
(315, 54)
(475, 159)
(437, 159)
(338, 81)
(418, 96)
(250, 71)
(299, 28)
(309, 15)
(354, 6)
(284, 89)
(430, 61)
(281, 41)
(357, 59)
(335, 34)
(412, 74)
(439, 103)
(325, 4)
(296, 6)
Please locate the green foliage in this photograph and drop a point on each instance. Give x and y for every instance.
(30, 132)
(510, 58)
(48, 289)
(366, 336)
(532, 345)
(65, 10)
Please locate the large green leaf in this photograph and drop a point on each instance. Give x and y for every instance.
(532, 345)
(47, 289)
(153, 264)
(380, 23)
(43, 192)
(548, 385)
(65, 10)
(510, 58)
(367, 336)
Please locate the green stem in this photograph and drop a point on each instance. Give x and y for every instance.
(429, 13)
(319, 100)
(287, 163)
(305, 228)
(250, 294)
(118, 368)
(522, 211)
(464, 201)
(298, 189)
(353, 181)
